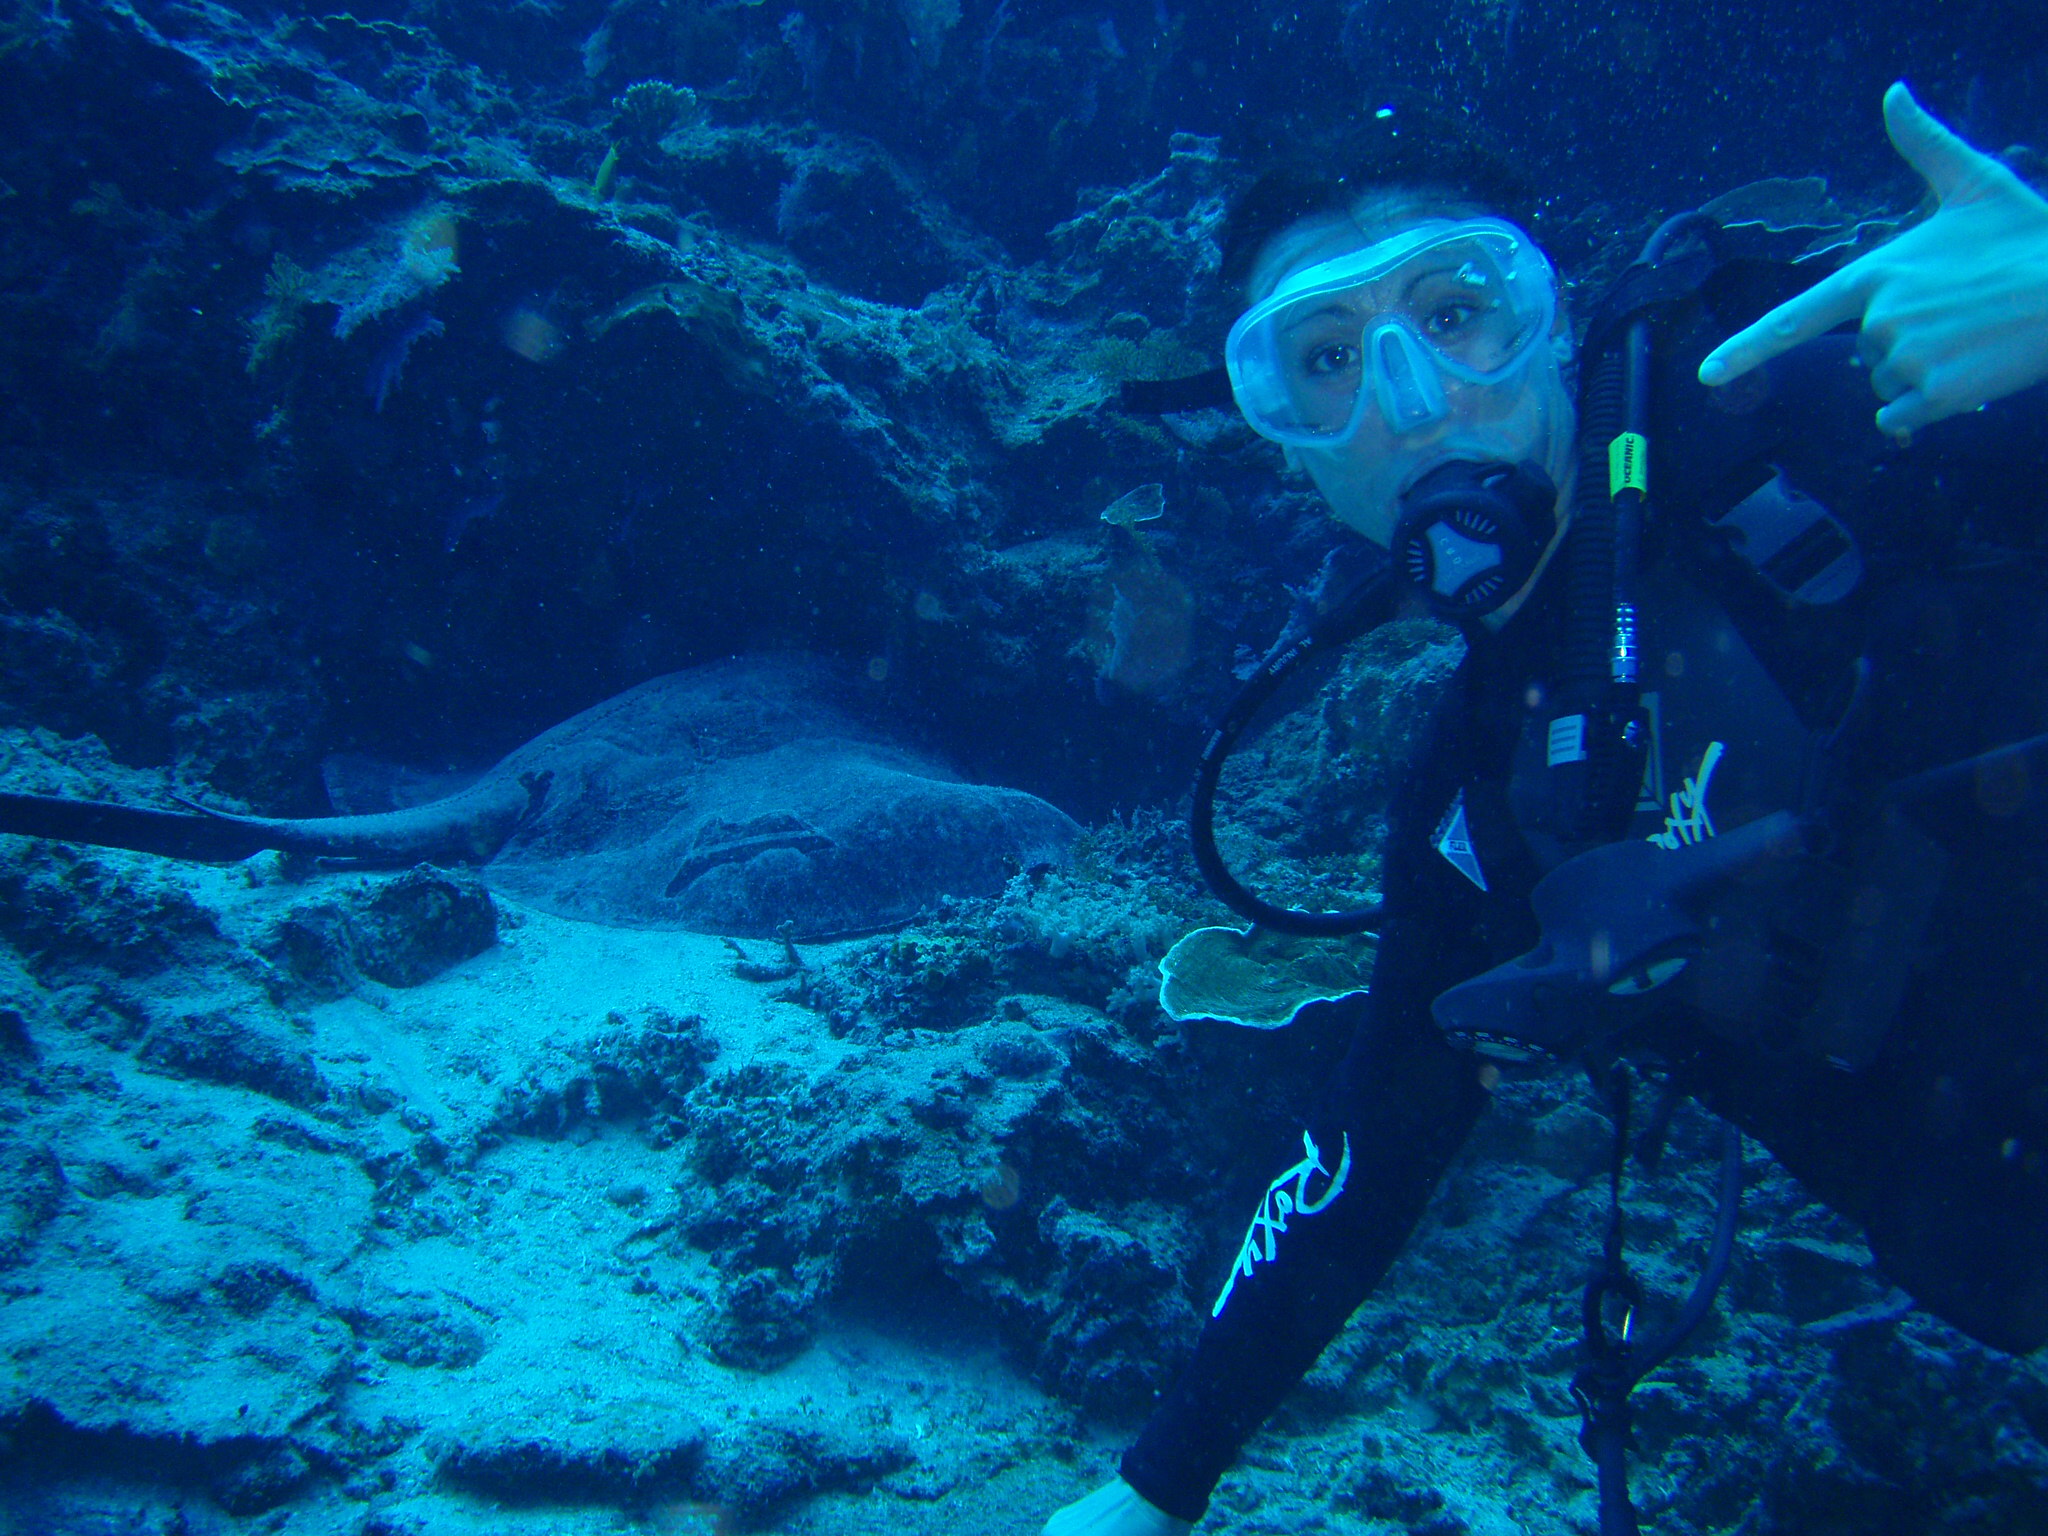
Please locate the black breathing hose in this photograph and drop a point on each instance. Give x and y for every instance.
(1589, 550)
(1348, 616)
(1600, 672)
(1628, 481)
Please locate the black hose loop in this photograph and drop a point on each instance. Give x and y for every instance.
(1345, 604)
(1694, 221)
(1261, 686)
(1727, 1215)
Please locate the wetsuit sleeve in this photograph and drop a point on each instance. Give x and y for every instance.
(1330, 1225)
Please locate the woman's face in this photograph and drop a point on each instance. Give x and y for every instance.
(1526, 415)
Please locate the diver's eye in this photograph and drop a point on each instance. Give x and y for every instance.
(1450, 317)
(1331, 358)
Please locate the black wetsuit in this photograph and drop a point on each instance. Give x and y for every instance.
(1936, 1147)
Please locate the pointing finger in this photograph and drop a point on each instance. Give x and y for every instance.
(1827, 304)
(1947, 163)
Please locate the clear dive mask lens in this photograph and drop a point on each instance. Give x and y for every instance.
(1387, 325)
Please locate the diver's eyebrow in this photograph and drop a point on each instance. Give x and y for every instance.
(1423, 276)
(1330, 309)
(1335, 307)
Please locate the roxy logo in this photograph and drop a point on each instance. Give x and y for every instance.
(1286, 1196)
(1687, 821)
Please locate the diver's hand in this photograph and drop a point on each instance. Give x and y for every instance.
(1954, 311)
(1115, 1510)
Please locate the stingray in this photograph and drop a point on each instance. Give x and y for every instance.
(751, 797)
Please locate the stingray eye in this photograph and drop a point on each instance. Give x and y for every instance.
(1649, 976)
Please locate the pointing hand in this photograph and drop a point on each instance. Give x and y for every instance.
(1954, 311)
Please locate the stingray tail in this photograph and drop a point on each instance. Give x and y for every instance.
(174, 834)
(466, 828)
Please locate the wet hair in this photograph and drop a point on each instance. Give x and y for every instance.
(1442, 163)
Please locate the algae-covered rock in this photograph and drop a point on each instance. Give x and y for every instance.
(1259, 978)
(401, 932)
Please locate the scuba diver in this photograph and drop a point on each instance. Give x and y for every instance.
(1741, 776)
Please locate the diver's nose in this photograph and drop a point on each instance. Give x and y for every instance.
(1409, 391)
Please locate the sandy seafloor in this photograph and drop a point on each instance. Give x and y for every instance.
(542, 1258)
(287, 1252)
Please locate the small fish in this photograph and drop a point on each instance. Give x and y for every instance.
(476, 510)
(1143, 505)
(607, 176)
(388, 366)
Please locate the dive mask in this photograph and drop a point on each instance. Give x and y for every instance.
(1388, 326)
